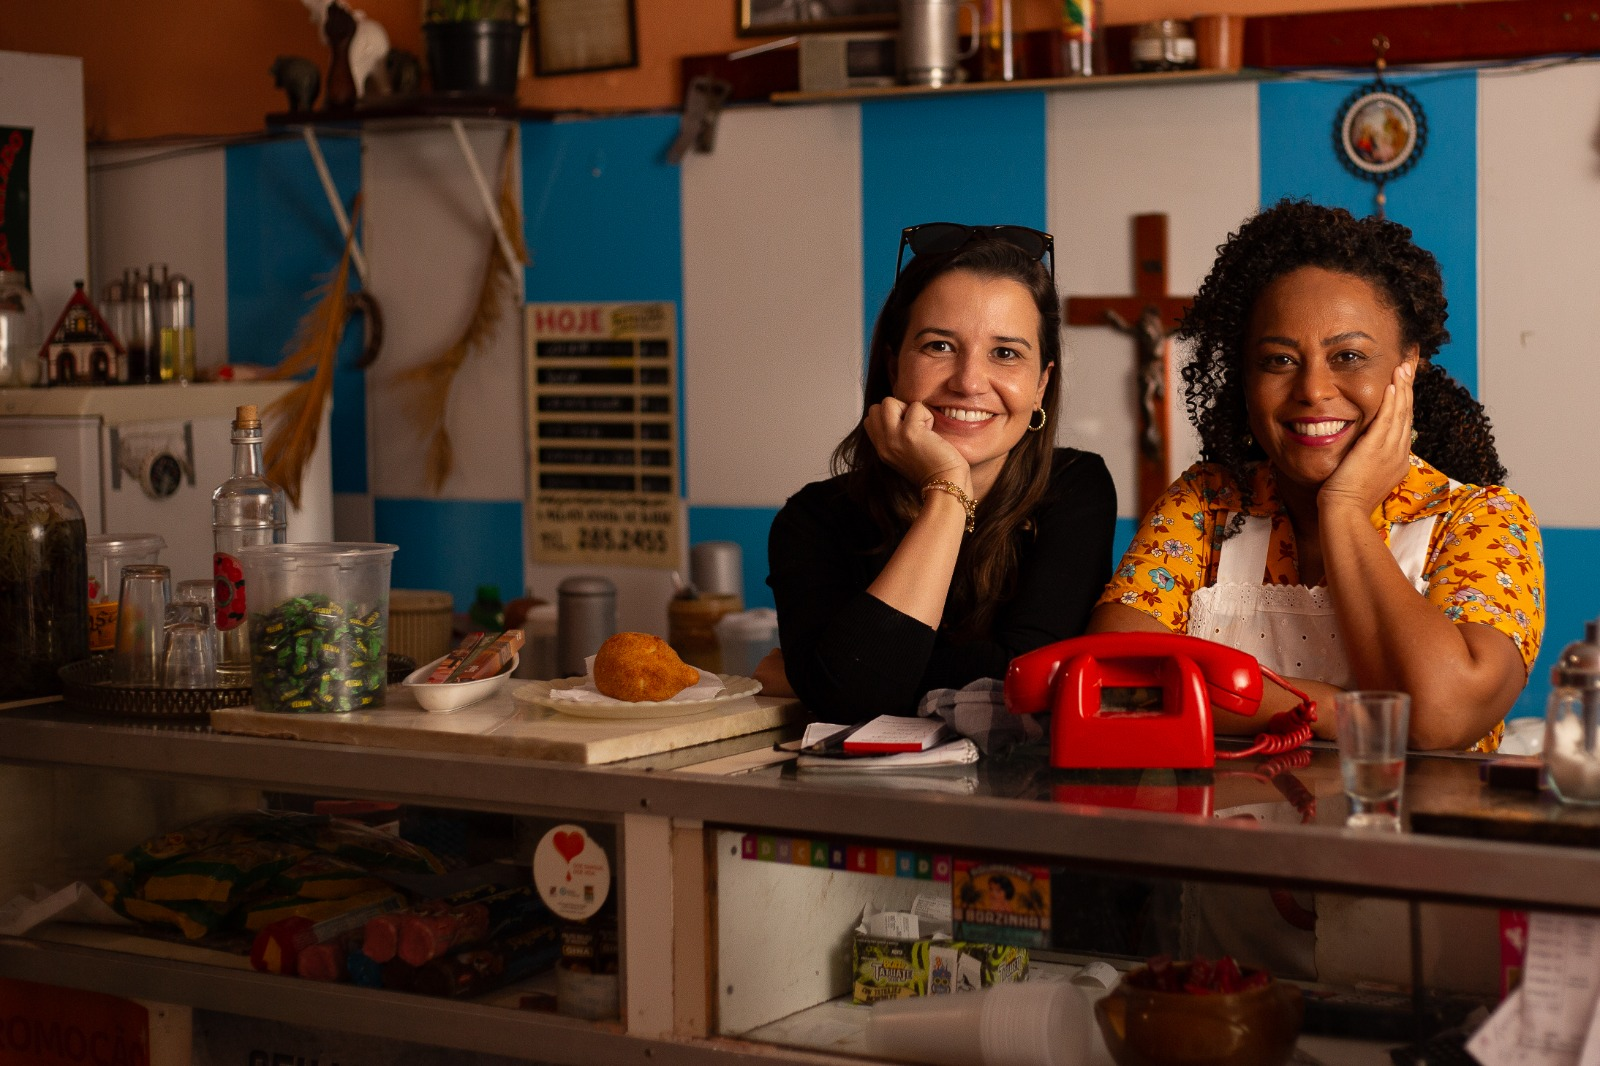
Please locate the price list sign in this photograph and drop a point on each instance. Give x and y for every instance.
(602, 403)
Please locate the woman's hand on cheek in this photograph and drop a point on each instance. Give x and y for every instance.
(1380, 458)
(904, 436)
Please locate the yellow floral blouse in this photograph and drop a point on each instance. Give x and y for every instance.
(1485, 558)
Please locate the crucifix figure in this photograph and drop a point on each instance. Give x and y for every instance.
(1149, 316)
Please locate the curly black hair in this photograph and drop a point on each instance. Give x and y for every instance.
(1453, 430)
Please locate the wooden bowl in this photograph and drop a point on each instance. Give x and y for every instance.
(1143, 1027)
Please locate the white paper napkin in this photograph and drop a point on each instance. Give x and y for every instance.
(709, 687)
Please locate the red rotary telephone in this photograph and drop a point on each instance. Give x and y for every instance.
(1143, 700)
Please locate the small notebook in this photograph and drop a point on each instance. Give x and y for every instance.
(889, 734)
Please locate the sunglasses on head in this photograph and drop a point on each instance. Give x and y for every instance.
(932, 238)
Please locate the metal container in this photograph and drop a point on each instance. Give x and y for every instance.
(716, 568)
(930, 38)
(586, 616)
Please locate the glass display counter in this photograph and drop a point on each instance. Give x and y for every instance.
(707, 921)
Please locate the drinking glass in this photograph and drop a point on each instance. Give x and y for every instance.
(141, 625)
(191, 657)
(195, 601)
(1372, 755)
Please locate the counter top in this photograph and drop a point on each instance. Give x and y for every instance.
(1258, 820)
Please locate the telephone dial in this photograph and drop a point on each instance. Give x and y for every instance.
(1143, 700)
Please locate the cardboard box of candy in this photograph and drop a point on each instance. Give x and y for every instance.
(885, 968)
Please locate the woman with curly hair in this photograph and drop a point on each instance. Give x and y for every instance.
(954, 535)
(1347, 524)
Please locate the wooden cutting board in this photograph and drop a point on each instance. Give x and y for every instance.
(506, 726)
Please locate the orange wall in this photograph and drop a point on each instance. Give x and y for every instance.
(199, 67)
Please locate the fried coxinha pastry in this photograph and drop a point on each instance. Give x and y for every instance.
(637, 666)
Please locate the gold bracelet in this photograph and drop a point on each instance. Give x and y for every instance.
(967, 502)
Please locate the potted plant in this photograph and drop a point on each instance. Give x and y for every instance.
(473, 46)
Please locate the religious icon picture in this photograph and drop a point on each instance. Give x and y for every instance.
(1380, 132)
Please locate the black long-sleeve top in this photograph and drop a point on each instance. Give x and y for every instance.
(850, 656)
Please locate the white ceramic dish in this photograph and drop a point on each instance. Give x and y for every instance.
(734, 688)
(456, 695)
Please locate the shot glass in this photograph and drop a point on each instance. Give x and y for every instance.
(191, 657)
(1372, 755)
(141, 625)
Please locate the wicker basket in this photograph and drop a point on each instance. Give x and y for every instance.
(419, 623)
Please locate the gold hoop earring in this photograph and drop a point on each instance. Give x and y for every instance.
(1043, 418)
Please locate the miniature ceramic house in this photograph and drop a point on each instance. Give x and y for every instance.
(81, 349)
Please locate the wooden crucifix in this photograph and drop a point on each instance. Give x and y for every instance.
(1148, 316)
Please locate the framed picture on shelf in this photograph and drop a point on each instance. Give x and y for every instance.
(578, 36)
(766, 18)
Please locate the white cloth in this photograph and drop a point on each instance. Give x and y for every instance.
(1292, 630)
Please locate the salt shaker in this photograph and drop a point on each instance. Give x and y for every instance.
(586, 616)
(1572, 721)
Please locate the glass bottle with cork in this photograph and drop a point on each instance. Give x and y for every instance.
(246, 509)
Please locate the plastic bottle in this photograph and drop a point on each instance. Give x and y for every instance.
(44, 570)
(246, 509)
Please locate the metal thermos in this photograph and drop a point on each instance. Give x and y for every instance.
(586, 615)
(929, 41)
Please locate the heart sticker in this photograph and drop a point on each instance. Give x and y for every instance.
(570, 845)
(572, 871)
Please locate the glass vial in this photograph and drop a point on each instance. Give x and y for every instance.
(246, 509)
(177, 330)
(144, 330)
(997, 52)
(114, 309)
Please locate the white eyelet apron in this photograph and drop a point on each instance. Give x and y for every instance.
(1292, 630)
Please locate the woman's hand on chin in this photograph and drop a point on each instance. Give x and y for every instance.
(1380, 458)
(904, 435)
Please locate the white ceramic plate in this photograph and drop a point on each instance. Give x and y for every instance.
(734, 688)
(454, 695)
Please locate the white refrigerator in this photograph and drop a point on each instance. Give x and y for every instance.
(146, 458)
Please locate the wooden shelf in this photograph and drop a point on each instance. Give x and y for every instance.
(1107, 81)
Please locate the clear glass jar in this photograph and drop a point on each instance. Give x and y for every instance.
(1164, 44)
(1572, 721)
(21, 334)
(44, 572)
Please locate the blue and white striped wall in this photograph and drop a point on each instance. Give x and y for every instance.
(778, 247)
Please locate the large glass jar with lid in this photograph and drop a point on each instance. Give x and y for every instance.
(44, 575)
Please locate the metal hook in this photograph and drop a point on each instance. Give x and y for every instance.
(1380, 45)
